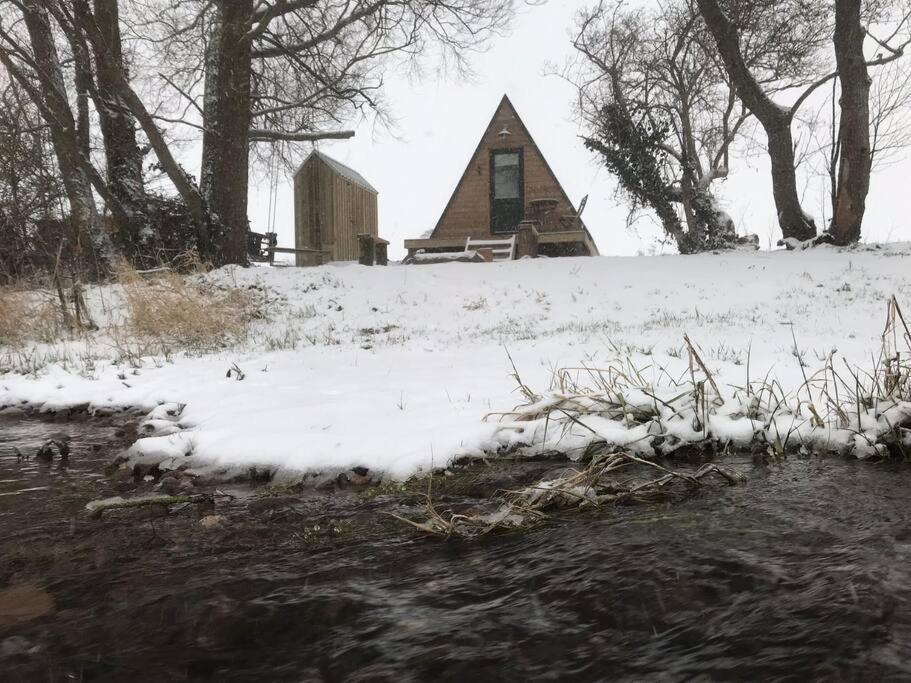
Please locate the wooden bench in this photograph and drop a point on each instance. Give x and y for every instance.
(503, 250)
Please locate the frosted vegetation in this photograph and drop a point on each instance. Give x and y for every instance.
(406, 369)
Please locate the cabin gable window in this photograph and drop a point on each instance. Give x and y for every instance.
(507, 190)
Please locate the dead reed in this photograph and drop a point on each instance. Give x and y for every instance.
(183, 312)
(649, 411)
(611, 479)
(600, 483)
(28, 316)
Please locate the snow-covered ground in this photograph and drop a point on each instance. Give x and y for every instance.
(395, 368)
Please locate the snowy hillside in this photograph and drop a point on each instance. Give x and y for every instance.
(395, 368)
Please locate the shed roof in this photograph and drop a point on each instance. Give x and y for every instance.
(344, 171)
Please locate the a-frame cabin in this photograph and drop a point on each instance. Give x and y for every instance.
(507, 188)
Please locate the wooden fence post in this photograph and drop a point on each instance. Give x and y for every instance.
(527, 239)
(382, 251)
(367, 245)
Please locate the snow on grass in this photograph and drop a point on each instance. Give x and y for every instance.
(395, 368)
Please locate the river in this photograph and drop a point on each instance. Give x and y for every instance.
(804, 571)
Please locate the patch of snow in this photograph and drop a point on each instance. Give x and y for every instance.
(395, 369)
(444, 257)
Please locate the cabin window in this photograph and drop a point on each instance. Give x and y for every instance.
(506, 176)
(507, 189)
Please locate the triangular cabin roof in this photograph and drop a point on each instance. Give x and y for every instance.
(531, 148)
(338, 167)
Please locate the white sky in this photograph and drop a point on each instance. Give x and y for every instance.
(416, 165)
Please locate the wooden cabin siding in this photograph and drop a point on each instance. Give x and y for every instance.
(353, 212)
(310, 214)
(330, 211)
(468, 211)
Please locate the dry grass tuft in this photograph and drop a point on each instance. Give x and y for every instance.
(181, 311)
(28, 316)
(14, 314)
(148, 314)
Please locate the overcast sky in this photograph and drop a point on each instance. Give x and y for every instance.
(416, 165)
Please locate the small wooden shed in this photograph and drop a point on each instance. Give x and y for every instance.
(333, 204)
(508, 189)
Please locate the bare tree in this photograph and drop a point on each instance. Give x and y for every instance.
(100, 76)
(890, 104)
(123, 155)
(123, 191)
(866, 124)
(204, 222)
(775, 119)
(36, 66)
(733, 25)
(30, 187)
(660, 118)
(653, 75)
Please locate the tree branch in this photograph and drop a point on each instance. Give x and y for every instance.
(259, 135)
(339, 26)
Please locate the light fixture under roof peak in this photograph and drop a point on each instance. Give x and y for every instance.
(505, 132)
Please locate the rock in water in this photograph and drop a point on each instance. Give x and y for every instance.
(59, 446)
(45, 452)
(212, 522)
(24, 602)
(15, 646)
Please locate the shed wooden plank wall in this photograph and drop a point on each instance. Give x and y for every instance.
(330, 211)
(468, 211)
(353, 212)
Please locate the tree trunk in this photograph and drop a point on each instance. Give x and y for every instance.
(83, 82)
(62, 125)
(183, 183)
(227, 115)
(775, 120)
(855, 161)
(794, 223)
(118, 128)
(694, 238)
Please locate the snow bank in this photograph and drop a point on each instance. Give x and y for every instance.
(395, 368)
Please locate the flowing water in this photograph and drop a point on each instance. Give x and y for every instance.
(802, 572)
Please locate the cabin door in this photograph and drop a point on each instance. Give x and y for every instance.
(507, 190)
